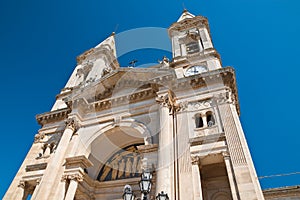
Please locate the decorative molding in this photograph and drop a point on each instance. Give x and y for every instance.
(198, 105)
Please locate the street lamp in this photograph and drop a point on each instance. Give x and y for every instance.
(145, 187)
(162, 196)
(145, 184)
(128, 194)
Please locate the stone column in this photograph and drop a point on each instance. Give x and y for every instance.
(19, 193)
(230, 175)
(196, 178)
(51, 174)
(165, 166)
(204, 119)
(38, 181)
(74, 179)
(74, 143)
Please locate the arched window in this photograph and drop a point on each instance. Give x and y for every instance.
(198, 121)
(210, 119)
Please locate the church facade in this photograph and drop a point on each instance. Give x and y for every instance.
(178, 120)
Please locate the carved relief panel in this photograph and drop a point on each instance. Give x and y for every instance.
(126, 163)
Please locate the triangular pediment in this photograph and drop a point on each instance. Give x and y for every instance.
(185, 15)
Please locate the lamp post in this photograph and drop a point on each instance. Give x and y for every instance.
(128, 194)
(145, 184)
(162, 196)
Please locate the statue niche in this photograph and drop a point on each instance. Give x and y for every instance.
(126, 163)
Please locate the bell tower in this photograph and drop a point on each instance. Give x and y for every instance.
(192, 47)
(211, 153)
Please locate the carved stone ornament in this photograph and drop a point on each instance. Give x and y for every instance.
(38, 137)
(164, 63)
(224, 98)
(77, 177)
(194, 106)
(72, 123)
(85, 69)
(106, 70)
(169, 100)
(195, 160)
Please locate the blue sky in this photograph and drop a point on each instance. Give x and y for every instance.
(260, 38)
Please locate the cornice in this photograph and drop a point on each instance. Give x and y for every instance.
(52, 116)
(289, 191)
(78, 161)
(123, 100)
(207, 139)
(88, 101)
(95, 53)
(148, 148)
(85, 54)
(36, 167)
(181, 61)
(198, 21)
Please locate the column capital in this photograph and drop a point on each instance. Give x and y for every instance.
(76, 176)
(22, 184)
(195, 160)
(38, 181)
(72, 123)
(169, 100)
(226, 155)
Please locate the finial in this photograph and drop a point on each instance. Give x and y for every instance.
(184, 8)
(112, 33)
(116, 28)
(132, 63)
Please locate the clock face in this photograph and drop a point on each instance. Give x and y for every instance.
(195, 70)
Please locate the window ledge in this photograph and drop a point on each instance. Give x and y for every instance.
(207, 127)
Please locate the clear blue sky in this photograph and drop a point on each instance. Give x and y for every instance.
(260, 38)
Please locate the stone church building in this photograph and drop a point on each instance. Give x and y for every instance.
(178, 120)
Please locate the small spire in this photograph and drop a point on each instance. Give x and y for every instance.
(184, 8)
(185, 15)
